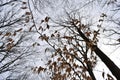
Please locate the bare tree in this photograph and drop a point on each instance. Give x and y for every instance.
(12, 36)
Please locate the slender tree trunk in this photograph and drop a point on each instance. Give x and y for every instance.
(89, 68)
(107, 61)
(90, 71)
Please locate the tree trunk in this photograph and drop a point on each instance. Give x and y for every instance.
(107, 61)
(90, 71)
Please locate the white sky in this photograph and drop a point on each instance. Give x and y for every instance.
(92, 12)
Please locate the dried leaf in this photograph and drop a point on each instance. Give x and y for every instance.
(100, 20)
(9, 46)
(30, 29)
(7, 34)
(48, 26)
(103, 15)
(58, 59)
(103, 74)
(75, 65)
(27, 13)
(50, 67)
(42, 21)
(47, 49)
(27, 19)
(34, 44)
(14, 34)
(47, 19)
(49, 62)
(54, 64)
(23, 7)
(52, 35)
(118, 40)
(98, 26)
(68, 70)
(40, 28)
(71, 49)
(10, 39)
(88, 34)
(55, 31)
(24, 2)
(40, 69)
(65, 49)
(19, 30)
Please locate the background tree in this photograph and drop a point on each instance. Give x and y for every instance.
(15, 48)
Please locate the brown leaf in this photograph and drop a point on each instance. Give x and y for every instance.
(47, 19)
(68, 70)
(19, 30)
(98, 25)
(54, 64)
(100, 20)
(47, 49)
(40, 69)
(58, 59)
(48, 26)
(14, 34)
(118, 40)
(49, 62)
(23, 7)
(65, 49)
(55, 31)
(42, 21)
(88, 34)
(34, 44)
(27, 13)
(30, 29)
(10, 39)
(75, 65)
(52, 35)
(9, 46)
(7, 34)
(58, 50)
(103, 74)
(71, 49)
(75, 53)
(24, 2)
(27, 19)
(40, 28)
(103, 15)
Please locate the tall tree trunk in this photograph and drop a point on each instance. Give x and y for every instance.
(107, 61)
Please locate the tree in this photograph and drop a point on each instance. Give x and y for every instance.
(70, 47)
(7, 20)
(74, 42)
(13, 17)
(74, 39)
